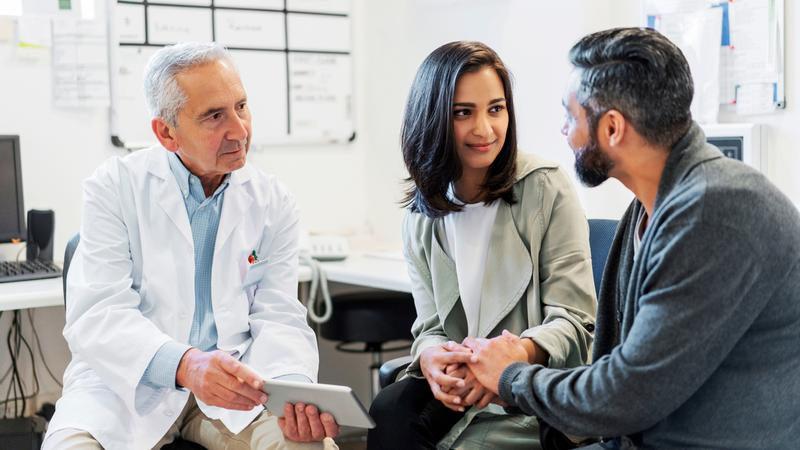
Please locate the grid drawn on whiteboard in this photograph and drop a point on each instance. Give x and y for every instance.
(293, 56)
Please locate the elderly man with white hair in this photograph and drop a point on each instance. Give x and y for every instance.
(181, 296)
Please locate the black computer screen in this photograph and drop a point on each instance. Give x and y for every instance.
(12, 222)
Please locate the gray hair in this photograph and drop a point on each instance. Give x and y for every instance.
(161, 90)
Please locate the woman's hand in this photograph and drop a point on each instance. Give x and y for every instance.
(434, 362)
(473, 393)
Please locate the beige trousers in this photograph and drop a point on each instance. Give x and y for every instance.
(192, 425)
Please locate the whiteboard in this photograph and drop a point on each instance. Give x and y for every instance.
(294, 58)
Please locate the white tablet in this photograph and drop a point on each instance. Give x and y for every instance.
(339, 401)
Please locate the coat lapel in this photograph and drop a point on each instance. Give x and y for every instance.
(445, 286)
(168, 195)
(235, 207)
(508, 273)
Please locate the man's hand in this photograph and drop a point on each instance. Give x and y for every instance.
(473, 392)
(304, 423)
(493, 356)
(433, 362)
(219, 379)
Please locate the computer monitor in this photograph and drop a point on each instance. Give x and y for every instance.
(743, 141)
(12, 219)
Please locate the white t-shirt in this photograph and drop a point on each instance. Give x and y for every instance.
(468, 232)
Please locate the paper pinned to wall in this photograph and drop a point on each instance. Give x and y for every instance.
(80, 63)
(40, 7)
(698, 35)
(751, 45)
(7, 26)
(658, 7)
(34, 38)
(751, 42)
(755, 98)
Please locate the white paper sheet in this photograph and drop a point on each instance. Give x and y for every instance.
(40, 7)
(675, 6)
(755, 98)
(7, 27)
(698, 34)
(80, 63)
(34, 38)
(753, 54)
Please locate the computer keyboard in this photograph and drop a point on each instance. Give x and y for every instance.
(27, 270)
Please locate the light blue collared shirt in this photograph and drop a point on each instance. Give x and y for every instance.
(204, 215)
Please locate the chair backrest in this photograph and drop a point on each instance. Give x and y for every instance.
(71, 246)
(601, 234)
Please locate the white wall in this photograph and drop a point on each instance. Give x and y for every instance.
(357, 186)
(533, 39)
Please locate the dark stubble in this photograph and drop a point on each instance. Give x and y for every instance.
(591, 164)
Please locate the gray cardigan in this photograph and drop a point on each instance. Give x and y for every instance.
(698, 337)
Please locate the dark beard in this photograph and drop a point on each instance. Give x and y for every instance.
(592, 165)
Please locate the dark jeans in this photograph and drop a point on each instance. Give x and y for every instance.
(408, 417)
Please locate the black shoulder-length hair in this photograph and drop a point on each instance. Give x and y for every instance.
(427, 137)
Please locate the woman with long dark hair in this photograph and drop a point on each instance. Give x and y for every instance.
(494, 240)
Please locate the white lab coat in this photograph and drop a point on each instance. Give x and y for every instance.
(131, 289)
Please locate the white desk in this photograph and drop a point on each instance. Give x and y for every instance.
(369, 269)
(31, 294)
(366, 269)
(49, 292)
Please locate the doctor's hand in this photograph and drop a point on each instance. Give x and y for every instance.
(493, 356)
(434, 362)
(304, 423)
(219, 379)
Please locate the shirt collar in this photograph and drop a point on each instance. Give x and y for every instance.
(185, 179)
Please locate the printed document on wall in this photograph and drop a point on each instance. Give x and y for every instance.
(755, 98)
(750, 53)
(698, 36)
(34, 38)
(80, 63)
(755, 58)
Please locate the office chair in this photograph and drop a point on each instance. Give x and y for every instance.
(68, 254)
(365, 322)
(601, 235)
(72, 245)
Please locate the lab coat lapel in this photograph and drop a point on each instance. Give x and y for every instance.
(508, 272)
(235, 207)
(168, 195)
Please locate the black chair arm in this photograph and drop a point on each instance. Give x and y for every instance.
(390, 370)
(69, 252)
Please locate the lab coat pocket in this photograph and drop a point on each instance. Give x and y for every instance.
(255, 273)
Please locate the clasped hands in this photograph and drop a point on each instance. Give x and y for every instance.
(219, 379)
(468, 374)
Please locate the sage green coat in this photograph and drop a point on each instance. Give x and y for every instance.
(538, 284)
